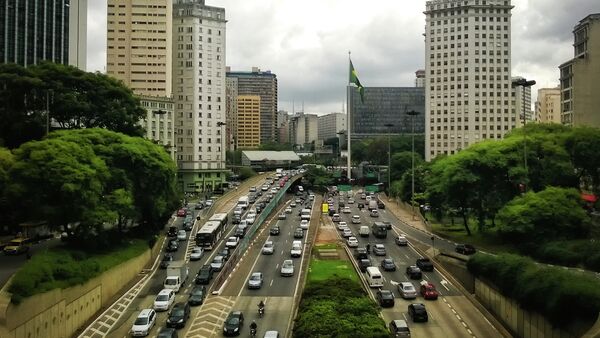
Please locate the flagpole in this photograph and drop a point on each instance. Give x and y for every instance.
(349, 125)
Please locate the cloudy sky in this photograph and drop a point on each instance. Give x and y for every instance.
(306, 43)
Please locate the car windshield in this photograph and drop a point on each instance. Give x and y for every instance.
(218, 259)
(268, 245)
(162, 297)
(178, 312)
(197, 292)
(171, 281)
(255, 277)
(141, 321)
(167, 258)
(233, 321)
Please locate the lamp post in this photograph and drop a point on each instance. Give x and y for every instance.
(389, 126)
(523, 83)
(412, 114)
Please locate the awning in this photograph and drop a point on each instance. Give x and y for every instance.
(589, 198)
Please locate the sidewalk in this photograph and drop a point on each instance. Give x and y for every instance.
(403, 212)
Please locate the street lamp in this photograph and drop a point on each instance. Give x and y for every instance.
(412, 114)
(389, 126)
(523, 83)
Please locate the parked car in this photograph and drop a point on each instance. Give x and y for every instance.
(379, 250)
(428, 290)
(197, 295)
(233, 324)
(385, 298)
(407, 290)
(268, 248)
(418, 312)
(143, 323)
(401, 240)
(465, 249)
(196, 254)
(164, 300)
(287, 268)
(388, 265)
(424, 264)
(179, 315)
(255, 281)
(413, 272)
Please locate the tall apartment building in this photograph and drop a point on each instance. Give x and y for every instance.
(304, 130)
(420, 78)
(199, 93)
(139, 53)
(521, 102)
(231, 106)
(547, 105)
(468, 71)
(248, 121)
(579, 76)
(32, 31)
(331, 124)
(263, 84)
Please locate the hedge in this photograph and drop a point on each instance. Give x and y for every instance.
(562, 296)
(583, 253)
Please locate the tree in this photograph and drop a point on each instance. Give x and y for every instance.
(582, 144)
(246, 173)
(402, 163)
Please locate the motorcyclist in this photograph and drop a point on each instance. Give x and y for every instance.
(261, 305)
(253, 326)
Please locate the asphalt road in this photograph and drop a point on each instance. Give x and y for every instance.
(10, 264)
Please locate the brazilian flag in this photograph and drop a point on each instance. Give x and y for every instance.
(354, 79)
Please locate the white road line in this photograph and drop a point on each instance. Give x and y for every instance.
(271, 284)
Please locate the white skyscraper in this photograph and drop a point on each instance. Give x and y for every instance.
(199, 93)
(468, 72)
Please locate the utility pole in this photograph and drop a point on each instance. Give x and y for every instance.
(412, 114)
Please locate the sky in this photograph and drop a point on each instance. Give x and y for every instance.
(306, 43)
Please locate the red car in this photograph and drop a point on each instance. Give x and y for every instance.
(181, 212)
(428, 290)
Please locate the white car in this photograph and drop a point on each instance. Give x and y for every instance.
(341, 225)
(273, 190)
(296, 249)
(347, 233)
(346, 210)
(232, 242)
(268, 248)
(352, 242)
(356, 219)
(264, 188)
(143, 323)
(255, 281)
(250, 219)
(287, 268)
(304, 224)
(288, 210)
(208, 203)
(181, 235)
(293, 204)
(196, 254)
(164, 300)
(351, 201)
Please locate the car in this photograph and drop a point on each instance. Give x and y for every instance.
(204, 275)
(271, 334)
(181, 235)
(232, 242)
(418, 312)
(167, 332)
(341, 203)
(341, 225)
(252, 189)
(274, 190)
(465, 249)
(360, 206)
(374, 213)
(172, 231)
(181, 212)
(208, 203)
(282, 216)
(268, 248)
(298, 233)
(380, 205)
(196, 254)
(255, 281)
(363, 264)
(199, 206)
(355, 219)
(233, 324)
(240, 232)
(351, 201)
(250, 218)
(287, 268)
(385, 298)
(293, 204)
(225, 252)
(298, 200)
(347, 210)
(399, 328)
(388, 265)
(167, 259)
(379, 250)
(352, 242)
(164, 300)
(179, 315)
(424, 264)
(330, 200)
(143, 323)
(274, 230)
(347, 233)
(304, 224)
(363, 196)
(197, 295)
(361, 253)
(188, 225)
(428, 291)
(288, 210)
(335, 218)
(296, 250)
(413, 272)
(407, 290)
(172, 246)
(401, 240)
(388, 225)
(217, 263)
(264, 188)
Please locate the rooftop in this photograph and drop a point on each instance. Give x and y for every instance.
(267, 155)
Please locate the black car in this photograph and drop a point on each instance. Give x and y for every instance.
(388, 225)
(204, 275)
(413, 272)
(363, 264)
(240, 232)
(236, 219)
(274, 230)
(298, 233)
(187, 225)
(465, 249)
(388, 264)
(331, 212)
(380, 205)
(258, 210)
(197, 295)
(360, 206)
(385, 298)
(361, 253)
(172, 231)
(233, 324)
(199, 206)
(178, 315)
(417, 312)
(167, 332)
(167, 259)
(424, 264)
(172, 246)
(226, 253)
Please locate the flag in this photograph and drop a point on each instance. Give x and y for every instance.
(354, 79)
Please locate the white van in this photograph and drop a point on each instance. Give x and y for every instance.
(374, 277)
(364, 231)
(296, 249)
(244, 202)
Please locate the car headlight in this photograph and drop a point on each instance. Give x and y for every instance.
(236, 329)
(180, 321)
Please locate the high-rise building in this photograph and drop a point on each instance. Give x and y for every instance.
(32, 31)
(248, 121)
(468, 72)
(199, 93)
(521, 102)
(579, 76)
(304, 130)
(330, 125)
(386, 105)
(159, 123)
(231, 106)
(547, 106)
(283, 126)
(263, 84)
(420, 78)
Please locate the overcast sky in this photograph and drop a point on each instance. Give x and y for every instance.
(306, 43)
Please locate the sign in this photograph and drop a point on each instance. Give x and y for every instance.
(344, 187)
(325, 208)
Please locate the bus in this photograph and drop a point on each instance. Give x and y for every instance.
(210, 233)
(379, 230)
(244, 202)
(222, 218)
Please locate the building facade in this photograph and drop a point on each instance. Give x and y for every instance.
(521, 102)
(330, 125)
(304, 130)
(547, 106)
(283, 126)
(263, 84)
(386, 105)
(468, 72)
(420, 78)
(199, 94)
(579, 76)
(248, 121)
(32, 31)
(160, 121)
(231, 106)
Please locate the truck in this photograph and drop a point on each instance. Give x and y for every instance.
(177, 275)
(373, 205)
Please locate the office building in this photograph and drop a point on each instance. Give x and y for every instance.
(386, 105)
(468, 72)
(547, 106)
(199, 94)
(248, 121)
(32, 31)
(159, 122)
(330, 125)
(521, 102)
(283, 126)
(263, 84)
(231, 105)
(304, 130)
(420, 78)
(579, 76)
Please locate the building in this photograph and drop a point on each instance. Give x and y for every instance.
(139, 53)
(32, 31)
(420, 78)
(283, 126)
(468, 72)
(248, 121)
(386, 105)
(579, 76)
(304, 130)
(199, 94)
(264, 160)
(263, 84)
(231, 105)
(330, 125)
(521, 102)
(547, 106)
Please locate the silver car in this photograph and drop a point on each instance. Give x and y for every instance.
(196, 254)
(287, 268)
(217, 263)
(407, 290)
(255, 281)
(268, 248)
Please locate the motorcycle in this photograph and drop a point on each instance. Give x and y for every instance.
(261, 311)
(252, 333)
